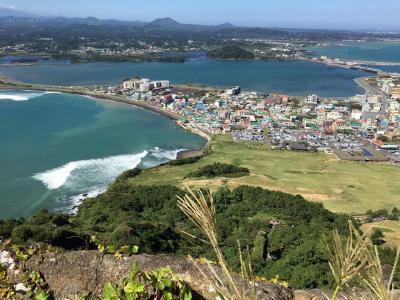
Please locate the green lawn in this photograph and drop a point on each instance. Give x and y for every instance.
(342, 186)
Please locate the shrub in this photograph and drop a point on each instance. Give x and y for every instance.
(184, 161)
(130, 174)
(7, 226)
(22, 233)
(218, 169)
(376, 237)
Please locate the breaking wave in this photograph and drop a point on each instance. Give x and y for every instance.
(89, 172)
(22, 95)
(78, 180)
(165, 154)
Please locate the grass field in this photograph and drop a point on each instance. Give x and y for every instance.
(390, 229)
(342, 186)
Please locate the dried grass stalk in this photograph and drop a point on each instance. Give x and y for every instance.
(347, 259)
(203, 214)
(374, 277)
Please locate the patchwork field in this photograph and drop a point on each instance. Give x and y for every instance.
(342, 186)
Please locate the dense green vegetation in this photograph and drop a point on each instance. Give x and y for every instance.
(384, 213)
(44, 227)
(184, 161)
(218, 169)
(230, 52)
(172, 59)
(283, 232)
(93, 58)
(24, 60)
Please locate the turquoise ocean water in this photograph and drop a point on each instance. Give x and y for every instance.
(56, 147)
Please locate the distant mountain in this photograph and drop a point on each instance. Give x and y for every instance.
(11, 12)
(134, 22)
(157, 24)
(164, 22)
(91, 21)
(226, 26)
(171, 24)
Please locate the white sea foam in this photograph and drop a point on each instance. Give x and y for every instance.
(22, 96)
(165, 154)
(78, 174)
(76, 200)
(13, 97)
(77, 180)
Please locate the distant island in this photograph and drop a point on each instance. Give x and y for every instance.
(230, 52)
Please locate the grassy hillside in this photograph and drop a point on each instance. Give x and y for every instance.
(342, 186)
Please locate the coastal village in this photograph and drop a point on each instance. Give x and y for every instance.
(360, 128)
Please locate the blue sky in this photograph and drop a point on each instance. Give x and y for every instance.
(341, 14)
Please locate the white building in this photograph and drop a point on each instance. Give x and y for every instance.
(127, 85)
(144, 85)
(356, 114)
(233, 91)
(313, 99)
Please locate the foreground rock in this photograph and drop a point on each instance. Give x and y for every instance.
(350, 294)
(70, 274)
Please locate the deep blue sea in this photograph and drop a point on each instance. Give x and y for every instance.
(56, 147)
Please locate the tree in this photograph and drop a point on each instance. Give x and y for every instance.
(376, 237)
(259, 250)
(395, 214)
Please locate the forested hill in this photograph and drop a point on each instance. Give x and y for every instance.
(283, 232)
(230, 52)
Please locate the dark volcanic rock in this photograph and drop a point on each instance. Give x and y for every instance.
(70, 274)
(349, 294)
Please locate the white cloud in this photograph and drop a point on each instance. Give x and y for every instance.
(7, 6)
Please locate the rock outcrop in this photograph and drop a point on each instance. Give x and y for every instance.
(349, 294)
(70, 274)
